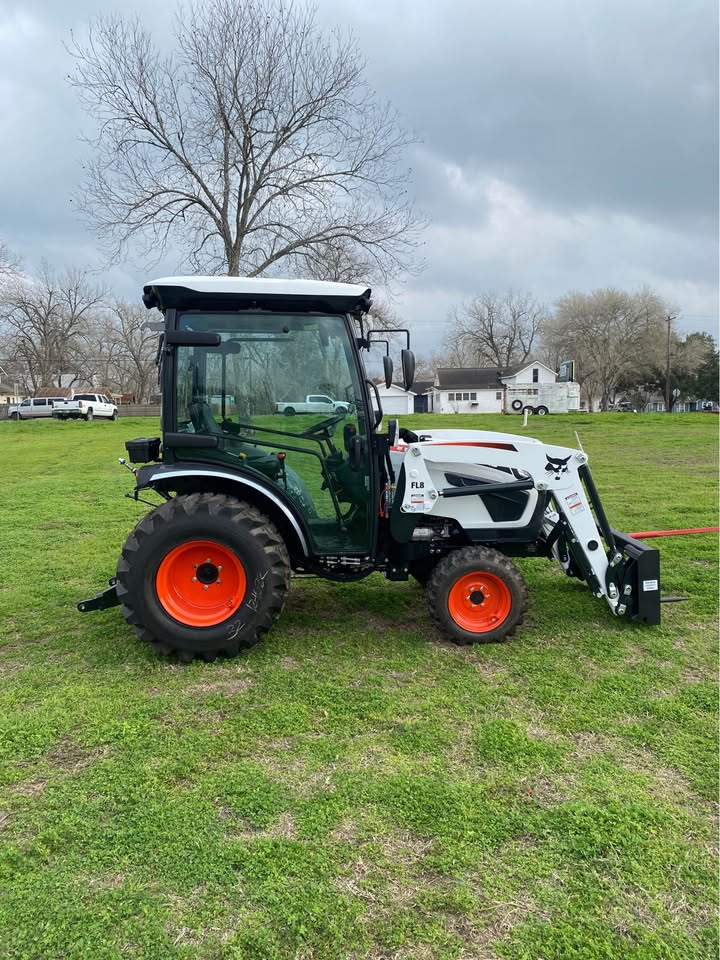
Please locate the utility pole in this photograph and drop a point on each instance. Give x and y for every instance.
(670, 318)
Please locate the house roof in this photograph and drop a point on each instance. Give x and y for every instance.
(422, 386)
(473, 378)
(396, 388)
(511, 372)
(53, 392)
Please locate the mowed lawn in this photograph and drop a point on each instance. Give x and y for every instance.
(354, 787)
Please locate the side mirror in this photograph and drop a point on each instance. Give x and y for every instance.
(408, 368)
(393, 431)
(388, 368)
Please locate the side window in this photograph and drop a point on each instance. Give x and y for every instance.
(466, 396)
(498, 395)
(473, 396)
(39, 403)
(451, 396)
(536, 374)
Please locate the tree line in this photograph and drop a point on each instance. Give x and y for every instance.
(61, 329)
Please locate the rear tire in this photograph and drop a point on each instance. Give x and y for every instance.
(289, 411)
(542, 411)
(477, 595)
(89, 415)
(528, 410)
(171, 610)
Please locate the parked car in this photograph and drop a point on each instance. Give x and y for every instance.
(86, 406)
(32, 408)
(313, 403)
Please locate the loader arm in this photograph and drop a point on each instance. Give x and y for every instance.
(575, 530)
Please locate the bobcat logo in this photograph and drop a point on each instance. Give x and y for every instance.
(556, 465)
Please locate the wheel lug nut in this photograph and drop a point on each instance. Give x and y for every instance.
(218, 582)
(194, 566)
(219, 568)
(194, 579)
(205, 587)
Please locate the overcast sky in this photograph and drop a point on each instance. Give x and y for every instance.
(564, 143)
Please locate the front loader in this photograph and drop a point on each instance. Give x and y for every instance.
(251, 495)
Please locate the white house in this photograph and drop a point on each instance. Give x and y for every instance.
(10, 394)
(395, 400)
(481, 389)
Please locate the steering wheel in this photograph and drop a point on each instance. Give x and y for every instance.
(322, 426)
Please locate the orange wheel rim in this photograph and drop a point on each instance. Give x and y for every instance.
(200, 583)
(479, 602)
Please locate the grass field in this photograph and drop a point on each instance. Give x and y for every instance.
(353, 787)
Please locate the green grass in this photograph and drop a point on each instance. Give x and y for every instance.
(353, 787)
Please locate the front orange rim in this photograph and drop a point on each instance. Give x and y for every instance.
(200, 583)
(479, 602)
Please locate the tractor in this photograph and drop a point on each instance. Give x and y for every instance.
(251, 496)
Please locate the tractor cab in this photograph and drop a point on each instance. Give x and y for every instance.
(264, 390)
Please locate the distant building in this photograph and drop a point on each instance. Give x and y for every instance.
(395, 400)
(481, 389)
(8, 394)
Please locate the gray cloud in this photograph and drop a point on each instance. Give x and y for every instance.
(564, 145)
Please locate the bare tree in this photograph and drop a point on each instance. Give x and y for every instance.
(128, 349)
(45, 321)
(256, 142)
(609, 333)
(495, 330)
(9, 264)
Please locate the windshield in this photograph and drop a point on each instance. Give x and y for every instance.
(283, 396)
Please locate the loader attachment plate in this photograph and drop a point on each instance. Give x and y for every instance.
(638, 579)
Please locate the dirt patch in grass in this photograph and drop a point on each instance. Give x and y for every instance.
(693, 675)
(666, 782)
(284, 828)
(71, 757)
(222, 686)
(65, 756)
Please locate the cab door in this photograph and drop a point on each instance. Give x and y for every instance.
(320, 460)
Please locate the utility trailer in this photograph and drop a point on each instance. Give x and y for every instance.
(251, 496)
(541, 398)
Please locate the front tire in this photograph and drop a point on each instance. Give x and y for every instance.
(477, 595)
(15, 416)
(201, 575)
(114, 415)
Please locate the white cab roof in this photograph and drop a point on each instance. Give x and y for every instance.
(237, 292)
(262, 285)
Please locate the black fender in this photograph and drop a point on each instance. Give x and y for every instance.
(202, 478)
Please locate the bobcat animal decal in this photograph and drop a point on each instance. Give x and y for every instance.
(556, 465)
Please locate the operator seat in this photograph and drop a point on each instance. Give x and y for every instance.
(203, 420)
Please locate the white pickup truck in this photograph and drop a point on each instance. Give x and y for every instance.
(86, 406)
(313, 403)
